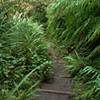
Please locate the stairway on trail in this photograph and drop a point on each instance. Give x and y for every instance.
(60, 88)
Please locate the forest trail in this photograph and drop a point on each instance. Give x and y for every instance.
(60, 87)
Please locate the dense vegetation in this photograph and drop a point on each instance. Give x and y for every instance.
(75, 24)
(24, 61)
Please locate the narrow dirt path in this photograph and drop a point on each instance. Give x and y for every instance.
(60, 88)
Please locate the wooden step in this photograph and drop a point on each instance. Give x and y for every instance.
(58, 84)
(56, 92)
(52, 96)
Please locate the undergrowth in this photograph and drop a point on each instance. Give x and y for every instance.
(75, 25)
(24, 60)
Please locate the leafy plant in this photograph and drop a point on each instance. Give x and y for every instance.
(23, 56)
(75, 25)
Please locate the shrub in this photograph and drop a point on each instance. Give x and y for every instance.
(24, 60)
(76, 25)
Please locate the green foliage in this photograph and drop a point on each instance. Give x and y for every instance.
(24, 60)
(76, 25)
(89, 76)
(67, 23)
